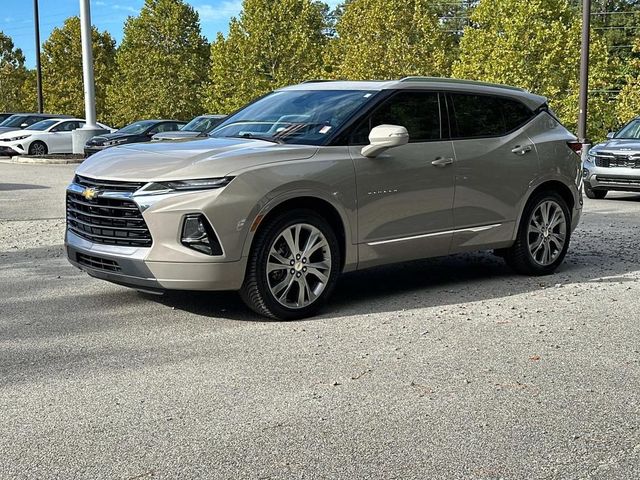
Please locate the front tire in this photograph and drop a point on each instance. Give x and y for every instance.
(594, 194)
(293, 266)
(38, 148)
(543, 235)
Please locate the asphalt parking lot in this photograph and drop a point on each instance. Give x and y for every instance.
(445, 368)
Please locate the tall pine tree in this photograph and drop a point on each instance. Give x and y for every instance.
(536, 45)
(62, 81)
(385, 39)
(162, 64)
(270, 45)
(13, 75)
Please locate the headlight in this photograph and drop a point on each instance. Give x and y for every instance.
(111, 143)
(21, 137)
(187, 185)
(591, 158)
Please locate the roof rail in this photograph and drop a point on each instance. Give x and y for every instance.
(318, 81)
(458, 81)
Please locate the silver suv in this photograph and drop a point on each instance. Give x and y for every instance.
(322, 178)
(614, 164)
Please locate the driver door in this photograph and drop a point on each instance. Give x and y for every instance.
(405, 195)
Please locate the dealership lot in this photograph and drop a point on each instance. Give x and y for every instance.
(444, 368)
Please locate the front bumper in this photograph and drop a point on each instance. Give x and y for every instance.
(611, 178)
(91, 149)
(11, 150)
(130, 267)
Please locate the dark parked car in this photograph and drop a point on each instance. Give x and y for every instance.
(198, 127)
(137, 132)
(4, 116)
(20, 121)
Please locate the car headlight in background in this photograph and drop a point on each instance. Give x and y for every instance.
(21, 137)
(112, 143)
(198, 235)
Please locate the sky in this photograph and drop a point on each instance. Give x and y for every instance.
(16, 18)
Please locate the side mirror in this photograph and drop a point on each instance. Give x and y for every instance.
(384, 137)
(24, 125)
(610, 135)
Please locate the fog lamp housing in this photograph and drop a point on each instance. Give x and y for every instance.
(198, 235)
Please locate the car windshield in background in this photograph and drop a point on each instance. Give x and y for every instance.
(42, 125)
(14, 121)
(631, 131)
(294, 116)
(201, 124)
(136, 128)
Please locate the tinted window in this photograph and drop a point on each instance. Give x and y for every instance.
(515, 113)
(486, 116)
(418, 112)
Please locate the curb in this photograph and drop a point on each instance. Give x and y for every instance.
(46, 161)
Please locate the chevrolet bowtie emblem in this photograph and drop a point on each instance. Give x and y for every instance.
(90, 193)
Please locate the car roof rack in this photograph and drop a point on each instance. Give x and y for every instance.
(457, 81)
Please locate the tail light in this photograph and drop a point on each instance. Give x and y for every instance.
(576, 147)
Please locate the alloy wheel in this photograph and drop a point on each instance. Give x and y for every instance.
(547, 232)
(298, 265)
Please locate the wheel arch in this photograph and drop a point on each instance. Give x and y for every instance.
(330, 212)
(552, 185)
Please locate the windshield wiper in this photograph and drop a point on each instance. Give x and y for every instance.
(256, 137)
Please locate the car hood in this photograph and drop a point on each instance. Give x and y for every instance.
(177, 135)
(12, 133)
(618, 146)
(7, 129)
(213, 157)
(106, 137)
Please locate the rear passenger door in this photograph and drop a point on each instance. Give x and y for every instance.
(495, 163)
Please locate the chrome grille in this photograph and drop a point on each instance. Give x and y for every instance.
(107, 219)
(618, 180)
(618, 161)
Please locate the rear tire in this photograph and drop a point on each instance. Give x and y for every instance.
(543, 235)
(293, 266)
(38, 148)
(594, 194)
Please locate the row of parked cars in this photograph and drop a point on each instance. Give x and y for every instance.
(42, 133)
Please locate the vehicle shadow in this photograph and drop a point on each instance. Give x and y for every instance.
(425, 283)
(8, 187)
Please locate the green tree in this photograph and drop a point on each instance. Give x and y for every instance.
(535, 45)
(384, 39)
(270, 45)
(628, 105)
(13, 75)
(162, 64)
(62, 82)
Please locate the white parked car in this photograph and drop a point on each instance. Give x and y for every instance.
(47, 136)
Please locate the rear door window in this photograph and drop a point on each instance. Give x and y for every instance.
(477, 116)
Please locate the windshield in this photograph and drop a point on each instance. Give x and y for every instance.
(42, 125)
(136, 128)
(630, 131)
(294, 116)
(14, 121)
(202, 124)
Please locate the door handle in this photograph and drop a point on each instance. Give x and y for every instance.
(522, 150)
(442, 162)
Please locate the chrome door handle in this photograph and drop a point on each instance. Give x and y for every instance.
(442, 162)
(521, 150)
